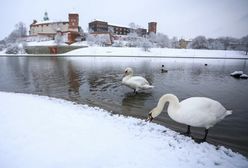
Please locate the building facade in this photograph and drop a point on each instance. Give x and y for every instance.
(98, 26)
(70, 28)
(183, 43)
(103, 27)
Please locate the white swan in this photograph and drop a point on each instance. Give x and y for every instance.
(194, 111)
(135, 82)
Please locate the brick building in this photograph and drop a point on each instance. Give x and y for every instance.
(103, 27)
(152, 27)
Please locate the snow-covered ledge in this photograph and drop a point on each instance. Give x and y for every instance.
(38, 131)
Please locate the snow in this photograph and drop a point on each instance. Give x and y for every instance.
(139, 52)
(236, 73)
(81, 43)
(44, 43)
(42, 132)
(239, 74)
(156, 52)
(244, 76)
(50, 22)
(3, 52)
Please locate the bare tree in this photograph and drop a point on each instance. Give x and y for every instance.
(19, 31)
(200, 42)
(174, 43)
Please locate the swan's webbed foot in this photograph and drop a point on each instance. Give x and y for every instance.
(197, 140)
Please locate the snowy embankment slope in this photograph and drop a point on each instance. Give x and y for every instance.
(159, 52)
(45, 43)
(38, 131)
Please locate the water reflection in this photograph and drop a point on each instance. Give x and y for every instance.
(131, 101)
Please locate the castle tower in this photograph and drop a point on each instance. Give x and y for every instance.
(46, 18)
(73, 22)
(152, 27)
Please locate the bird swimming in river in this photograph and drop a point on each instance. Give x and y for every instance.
(163, 70)
(135, 82)
(194, 111)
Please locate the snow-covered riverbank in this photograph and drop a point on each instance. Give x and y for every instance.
(139, 52)
(155, 52)
(38, 131)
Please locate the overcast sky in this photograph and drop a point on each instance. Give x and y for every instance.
(180, 18)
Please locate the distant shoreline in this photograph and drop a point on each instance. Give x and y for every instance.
(118, 56)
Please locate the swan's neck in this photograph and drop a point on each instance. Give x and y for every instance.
(127, 77)
(173, 103)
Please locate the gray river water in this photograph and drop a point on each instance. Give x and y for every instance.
(96, 81)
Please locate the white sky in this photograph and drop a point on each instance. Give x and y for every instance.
(181, 18)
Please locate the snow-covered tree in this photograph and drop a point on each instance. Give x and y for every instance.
(225, 41)
(145, 44)
(98, 39)
(244, 42)
(118, 43)
(133, 39)
(16, 48)
(159, 40)
(162, 40)
(19, 31)
(174, 43)
(2, 45)
(152, 37)
(215, 44)
(59, 39)
(200, 42)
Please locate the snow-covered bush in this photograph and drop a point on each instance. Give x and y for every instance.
(118, 43)
(98, 39)
(174, 43)
(59, 39)
(133, 39)
(16, 48)
(146, 44)
(215, 44)
(159, 40)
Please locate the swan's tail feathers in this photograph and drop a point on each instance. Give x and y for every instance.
(228, 112)
(148, 86)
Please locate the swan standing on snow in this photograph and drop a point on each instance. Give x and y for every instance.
(194, 111)
(135, 82)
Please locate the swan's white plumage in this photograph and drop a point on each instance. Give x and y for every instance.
(135, 82)
(194, 111)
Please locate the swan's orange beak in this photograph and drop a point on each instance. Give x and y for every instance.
(149, 118)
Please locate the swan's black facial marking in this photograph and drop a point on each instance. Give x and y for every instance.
(149, 118)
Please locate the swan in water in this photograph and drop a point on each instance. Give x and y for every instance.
(194, 111)
(135, 82)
